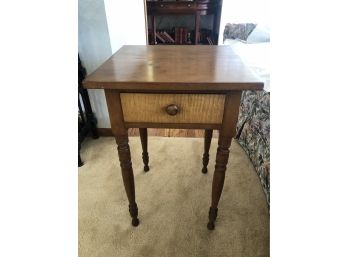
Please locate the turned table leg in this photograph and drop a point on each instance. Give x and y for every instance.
(208, 133)
(227, 132)
(121, 135)
(219, 177)
(127, 176)
(143, 138)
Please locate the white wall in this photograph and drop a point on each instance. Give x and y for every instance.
(126, 20)
(248, 11)
(104, 26)
(94, 49)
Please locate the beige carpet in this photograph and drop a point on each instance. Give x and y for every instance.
(173, 200)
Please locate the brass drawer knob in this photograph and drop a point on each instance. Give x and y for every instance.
(172, 109)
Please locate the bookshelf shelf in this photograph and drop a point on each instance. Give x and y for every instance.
(183, 35)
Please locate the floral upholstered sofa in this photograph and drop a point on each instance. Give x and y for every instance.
(253, 133)
(251, 42)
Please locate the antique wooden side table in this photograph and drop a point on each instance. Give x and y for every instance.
(190, 87)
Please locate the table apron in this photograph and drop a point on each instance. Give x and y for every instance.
(172, 125)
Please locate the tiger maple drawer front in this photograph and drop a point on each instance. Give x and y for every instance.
(173, 108)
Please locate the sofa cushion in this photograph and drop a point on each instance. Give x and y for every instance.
(238, 30)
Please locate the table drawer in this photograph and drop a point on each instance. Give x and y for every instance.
(173, 108)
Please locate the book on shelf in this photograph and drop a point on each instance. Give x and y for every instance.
(177, 35)
(210, 41)
(162, 37)
(169, 38)
(166, 39)
(181, 36)
(159, 36)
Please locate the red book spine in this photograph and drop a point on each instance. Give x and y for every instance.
(180, 36)
(177, 36)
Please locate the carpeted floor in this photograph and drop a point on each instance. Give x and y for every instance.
(173, 200)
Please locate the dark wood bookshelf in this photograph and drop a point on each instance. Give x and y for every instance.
(184, 35)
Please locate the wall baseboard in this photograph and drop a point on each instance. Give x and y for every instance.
(105, 132)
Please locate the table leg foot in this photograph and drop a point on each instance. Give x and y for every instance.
(212, 217)
(211, 225)
(133, 210)
(146, 168)
(135, 222)
(204, 170)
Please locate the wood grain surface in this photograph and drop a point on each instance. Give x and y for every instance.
(193, 108)
(173, 68)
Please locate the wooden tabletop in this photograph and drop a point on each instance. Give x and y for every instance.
(173, 68)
